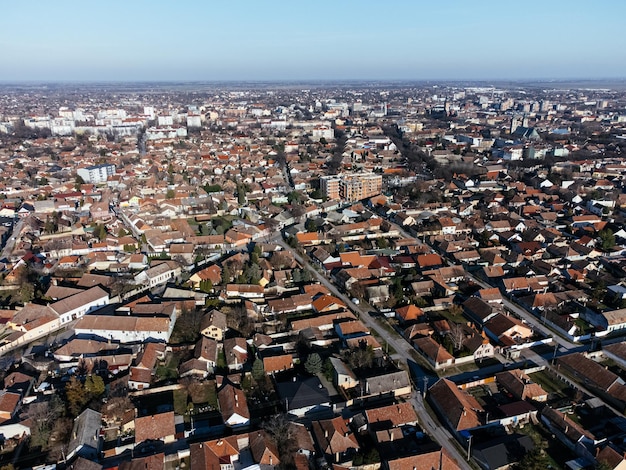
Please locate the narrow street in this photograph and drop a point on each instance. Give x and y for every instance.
(527, 317)
(403, 354)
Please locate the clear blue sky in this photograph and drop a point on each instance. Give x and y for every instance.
(315, 39)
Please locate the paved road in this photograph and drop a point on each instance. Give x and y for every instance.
(403, 354)
(527, 317)
(7, 250)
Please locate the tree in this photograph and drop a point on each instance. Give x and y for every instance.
(313, 364)
(457, 335)
(281, 430)
(43, 415)
(258, 372)
(310, 225)
(206, 285)
(76, 395)
(94, 386)
(78, 182)
(360, 358)
(607, 239)
(100, 232)
(170, 194)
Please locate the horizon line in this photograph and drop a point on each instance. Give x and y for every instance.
(311, 80)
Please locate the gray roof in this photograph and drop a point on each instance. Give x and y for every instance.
(86, 431)
(303, 392)
(387, 383)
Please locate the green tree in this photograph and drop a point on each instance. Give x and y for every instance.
(607, 239)
(313, 364)
(94, 386)
(170, 194)
(100, 232)
(76, 395)
(206, 286)
(310, 225)
(258, 372)
(78, 182)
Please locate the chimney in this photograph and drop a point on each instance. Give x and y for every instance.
(325, 432)
(464, 412)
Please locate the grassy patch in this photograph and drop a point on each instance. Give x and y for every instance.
(557, 454)
(452, 317)
(180, 402)
(549, 382)
(169, 370)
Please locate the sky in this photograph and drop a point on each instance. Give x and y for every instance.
(257, 40)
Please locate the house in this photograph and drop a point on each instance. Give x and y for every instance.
(236, 352)
(212, 274)
(614, 320)
(409, 313)
(155, 427)
(479, 311)
(222, 453)
(491, 295)
(342, 374)
(351, 329)
(520, 386)
(263, 449)
(18, 382)
(159, 274)
(273, 364)
(391, 416)
(393, 383)
(322, 322)
(9, 405)
(434, 352)
(572, 435)
(213, 325)
(502, 452)
(335, 440)
(377, 295)
(303, 395)
(126, 329)
(233, 406)
(244, 291)
(145, 365)
(206, 350)
(507, 330)
(610, 457)
(595, 377)
(433, 460)
(85, 441)
(459, 410)
(149, 462)
(327, 303)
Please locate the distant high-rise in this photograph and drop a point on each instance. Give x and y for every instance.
(351, 186)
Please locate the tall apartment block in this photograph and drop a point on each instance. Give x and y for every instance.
(351, 186)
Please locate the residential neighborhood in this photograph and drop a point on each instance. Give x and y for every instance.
(372, 277)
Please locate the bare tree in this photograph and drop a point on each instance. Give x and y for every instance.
(457, 336)
(282, 432)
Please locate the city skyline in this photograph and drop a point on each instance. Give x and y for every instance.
(249, 41)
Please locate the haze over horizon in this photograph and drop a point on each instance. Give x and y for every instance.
(288, 41)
